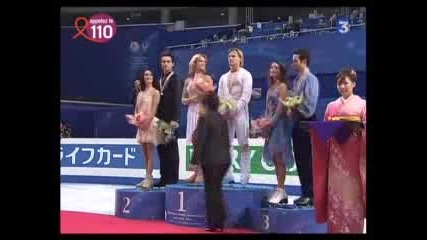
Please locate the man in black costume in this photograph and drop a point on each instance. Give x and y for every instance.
(169, 110)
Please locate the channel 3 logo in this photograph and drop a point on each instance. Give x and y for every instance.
(343, 25)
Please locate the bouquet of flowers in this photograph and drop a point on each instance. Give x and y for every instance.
(255, 129)
(165, 132)
(292, 102)
(135, 119)
(203, 87)
(227, 106)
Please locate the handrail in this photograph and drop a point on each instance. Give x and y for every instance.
(133, 25)
(168, 24)
(263, 36)
(98, 103)
(214, 26)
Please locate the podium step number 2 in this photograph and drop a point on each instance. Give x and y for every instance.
(139, 204)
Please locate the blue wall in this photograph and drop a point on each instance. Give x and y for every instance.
(89, 120)
(329, 53)
(105, 72)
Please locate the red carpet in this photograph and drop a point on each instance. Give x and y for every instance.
(77, 222)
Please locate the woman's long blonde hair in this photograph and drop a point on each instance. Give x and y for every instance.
(193, 63)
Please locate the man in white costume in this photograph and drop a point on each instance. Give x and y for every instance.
(237, 84)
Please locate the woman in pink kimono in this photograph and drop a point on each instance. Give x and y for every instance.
(340, 165)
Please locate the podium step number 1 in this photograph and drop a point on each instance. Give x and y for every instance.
(181, 202)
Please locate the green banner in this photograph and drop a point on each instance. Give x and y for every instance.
(258, 165)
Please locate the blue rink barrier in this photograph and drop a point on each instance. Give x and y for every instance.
(185, 204)
(279, 220)
(135, 203)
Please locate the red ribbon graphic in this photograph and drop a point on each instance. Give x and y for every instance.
(81, 31)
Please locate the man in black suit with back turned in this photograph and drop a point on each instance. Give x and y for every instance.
(169, 110)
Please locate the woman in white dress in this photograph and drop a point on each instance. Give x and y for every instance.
(195, 88)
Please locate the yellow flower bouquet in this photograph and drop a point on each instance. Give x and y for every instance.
(227, 106)
(292, 102)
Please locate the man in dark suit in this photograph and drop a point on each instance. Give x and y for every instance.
(169, 110)
(213, 152)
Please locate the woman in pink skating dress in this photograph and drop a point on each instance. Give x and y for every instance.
(145, 111)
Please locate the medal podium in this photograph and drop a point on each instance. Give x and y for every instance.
(246, 207)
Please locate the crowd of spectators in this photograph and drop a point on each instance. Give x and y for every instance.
(314, 20)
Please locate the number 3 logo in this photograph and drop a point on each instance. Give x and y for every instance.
(265, 222)
(344, 26)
